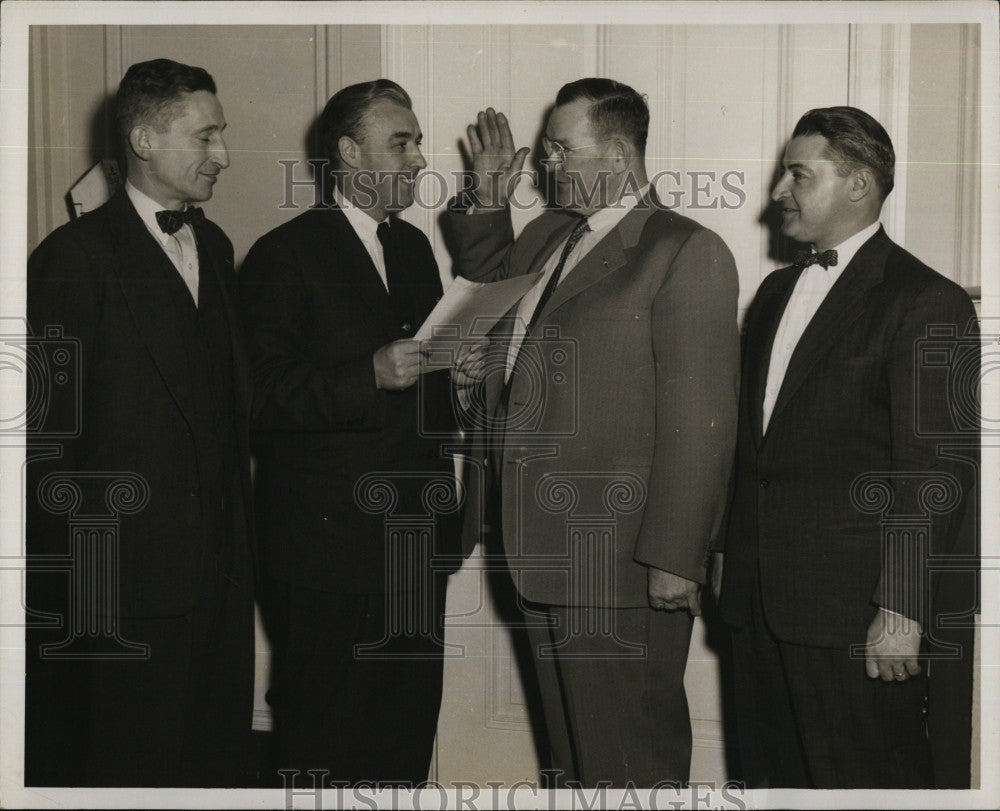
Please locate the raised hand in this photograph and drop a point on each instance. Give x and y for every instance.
(496, 165)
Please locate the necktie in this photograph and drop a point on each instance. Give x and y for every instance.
(394, 276)
(171, 222)
(581, 228)
(826, 259)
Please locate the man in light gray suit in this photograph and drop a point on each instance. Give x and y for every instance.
(607, 425)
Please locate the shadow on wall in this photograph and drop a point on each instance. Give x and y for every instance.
(106, 172)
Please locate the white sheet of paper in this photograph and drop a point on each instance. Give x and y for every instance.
(472, 308)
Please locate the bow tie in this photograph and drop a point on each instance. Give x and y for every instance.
(826, 259)
(171, 221)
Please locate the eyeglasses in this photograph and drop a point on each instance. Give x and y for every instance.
(555, 152)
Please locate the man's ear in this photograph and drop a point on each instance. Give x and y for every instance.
(621, 154)
(350, 151)
(862, 184)
(140, 141)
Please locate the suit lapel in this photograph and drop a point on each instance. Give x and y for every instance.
(215, 261)
(842, 306)
(549, 245)
(758, 354)
(142, 270)
(607, 256)
(353, 265)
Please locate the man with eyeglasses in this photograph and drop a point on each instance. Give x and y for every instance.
(607, 414)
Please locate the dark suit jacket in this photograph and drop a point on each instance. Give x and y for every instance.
(625, 404)
(858, 398)
(874, 428)
(119, 302)
(316, 312)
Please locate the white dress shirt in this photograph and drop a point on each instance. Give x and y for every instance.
(600, 222)
(811, 288)
(365, 227)
(180, 247)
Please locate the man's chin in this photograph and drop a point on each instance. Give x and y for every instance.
(401, 201)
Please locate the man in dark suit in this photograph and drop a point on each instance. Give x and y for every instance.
(356, 501)
(607, 425)
(855, 466)
(147, 677)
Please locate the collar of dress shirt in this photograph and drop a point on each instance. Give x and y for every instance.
(850, 246)
(147, 207)
(363, 225)
(608, 217)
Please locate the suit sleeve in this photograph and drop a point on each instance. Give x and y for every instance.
(696, 351)
(292, 390)
(926, 406)
(483, 245)
(64, 296)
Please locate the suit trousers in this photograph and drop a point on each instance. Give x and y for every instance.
(355, 693)
(811, 718)
(612, 687)
(182, 718)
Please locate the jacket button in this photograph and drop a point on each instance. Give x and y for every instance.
(193, 492)
(407, 327)
(764, 483)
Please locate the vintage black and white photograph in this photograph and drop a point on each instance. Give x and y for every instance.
(499, 405)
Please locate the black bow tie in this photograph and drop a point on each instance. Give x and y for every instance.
(171, 222)
(826, 259)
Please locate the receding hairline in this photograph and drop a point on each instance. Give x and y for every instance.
(159, 116)
(370, 110)
(597, 128)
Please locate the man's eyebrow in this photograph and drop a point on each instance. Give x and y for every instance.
(404, 134)
(212, 128)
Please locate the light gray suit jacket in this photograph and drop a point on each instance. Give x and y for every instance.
(621, 423)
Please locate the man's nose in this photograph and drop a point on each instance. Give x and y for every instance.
(780, 188)
(417, 159)
(220, 154)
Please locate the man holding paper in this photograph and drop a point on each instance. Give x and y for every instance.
(607, 420)
(357, 505)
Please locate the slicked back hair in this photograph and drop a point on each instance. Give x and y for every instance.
(855, 140)
(346, 110)
(149, 90)
(617, 110)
